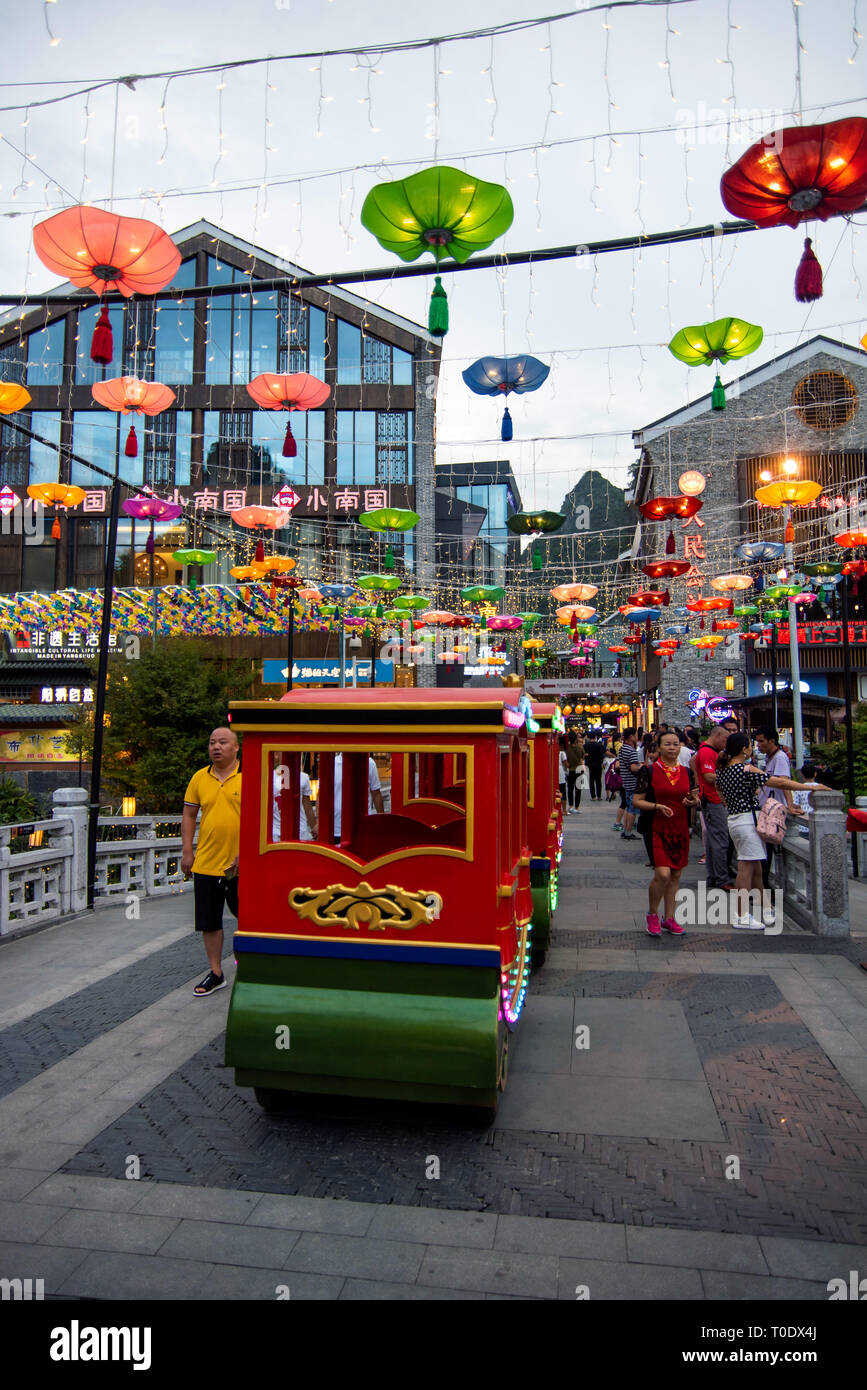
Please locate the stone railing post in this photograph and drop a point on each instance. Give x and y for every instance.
(71, 803)
(147, 830)
(5, 856)
(829, 881)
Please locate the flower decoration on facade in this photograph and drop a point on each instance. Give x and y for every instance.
(441, 210)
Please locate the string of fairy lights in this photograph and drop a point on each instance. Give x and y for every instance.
(272, 188)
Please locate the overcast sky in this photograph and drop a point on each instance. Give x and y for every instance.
(339, 126)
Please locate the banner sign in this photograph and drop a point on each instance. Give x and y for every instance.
(32, 747)
(335, 499)
(316, 671)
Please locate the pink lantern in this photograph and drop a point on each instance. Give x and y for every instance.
(128, 393)
(295, 391)
(504, 622)
(270, 518)
(574, 593)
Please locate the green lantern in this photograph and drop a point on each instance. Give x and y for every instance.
(389, 519)
(720, 341)
(823, 567)
(483, 593)
(530, 619)
(442, 210)
(194, 557)
(532, 523)
(412, 602)
(745, 610)
(379, 581)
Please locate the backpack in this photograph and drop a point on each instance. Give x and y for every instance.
(771, 822)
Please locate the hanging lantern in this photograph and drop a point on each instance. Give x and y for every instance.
(661, 508)
(295, 391)
(389, 519)
(13, 397)
(666, 569)
(99, 250)
(483, 593)
(126, 394)
(720, 341)
(757, 551)
(441, 210)
(797, 492)
(379, 581)
(692, 483)
(650, 598)
(800, 174)
(58, 495)
(533, 523)
(732, 581)
(574, 593)
(493, 376)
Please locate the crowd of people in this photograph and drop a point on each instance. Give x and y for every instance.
(672, 783)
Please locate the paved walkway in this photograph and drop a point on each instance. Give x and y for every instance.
(684, 1119)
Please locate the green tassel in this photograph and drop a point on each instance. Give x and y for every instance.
(193, 584)
(379, 610)
(537, 560)
(718, 396)
(438, 314)
(388, 562)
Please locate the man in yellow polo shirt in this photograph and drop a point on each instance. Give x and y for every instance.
(216, 792)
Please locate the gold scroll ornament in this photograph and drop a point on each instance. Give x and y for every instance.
(376, 908)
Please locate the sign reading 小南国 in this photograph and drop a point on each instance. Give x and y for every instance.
(335, 499)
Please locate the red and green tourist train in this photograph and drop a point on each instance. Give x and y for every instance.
(385, 937)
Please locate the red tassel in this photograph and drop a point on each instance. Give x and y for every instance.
(713, 626)
(701, 624)
(670, 544)
(731, 608)
(666, 598)
(260, 551)
(290, 448)
(102, 342)
(55, 529)
(131, 446)
(706, 655)
(808, 276)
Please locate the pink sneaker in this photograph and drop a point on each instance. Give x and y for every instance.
(653, 928)
(669, 925)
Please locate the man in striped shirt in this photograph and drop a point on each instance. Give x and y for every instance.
(629, 762)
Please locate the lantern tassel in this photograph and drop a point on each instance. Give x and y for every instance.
(102, 342)
(718, 395)
(290, 448)
(131, 446)
(149, 543)
(55, 529)
(506, 430)
(808, 276)
(438, 313)
(260, 551)
(670, 544)
(388, 562)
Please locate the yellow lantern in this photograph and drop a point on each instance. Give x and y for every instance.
(128, 806)
(732, 581)
(12, 397)
(797, 492)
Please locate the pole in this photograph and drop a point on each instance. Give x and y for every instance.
(101, 679)
(847, 691)
(291, 643)
(342, 645)
(794, 656)
(774, 705)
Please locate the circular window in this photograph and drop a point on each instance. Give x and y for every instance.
(825, 400)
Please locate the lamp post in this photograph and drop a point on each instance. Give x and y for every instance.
(794, 655)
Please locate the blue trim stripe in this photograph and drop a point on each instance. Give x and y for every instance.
(352, 950)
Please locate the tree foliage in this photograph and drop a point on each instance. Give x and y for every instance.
(16, 805)
(834, 754)
(161, 710)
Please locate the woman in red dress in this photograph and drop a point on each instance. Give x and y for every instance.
(667, 790)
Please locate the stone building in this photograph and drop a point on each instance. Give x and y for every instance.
(808, 405)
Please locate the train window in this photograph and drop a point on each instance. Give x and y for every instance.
(366, 802)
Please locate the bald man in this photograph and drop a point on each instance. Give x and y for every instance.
(216, 792)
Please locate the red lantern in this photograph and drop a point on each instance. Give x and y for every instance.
(99, 250)
(659, 508)
(805, 172)
(650, 598)
(666, 569)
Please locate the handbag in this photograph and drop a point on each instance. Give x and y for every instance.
(771, 822)
(613, 780)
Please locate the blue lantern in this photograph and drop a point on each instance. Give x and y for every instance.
(494, 376)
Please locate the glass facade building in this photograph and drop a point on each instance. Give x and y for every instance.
(214, 443)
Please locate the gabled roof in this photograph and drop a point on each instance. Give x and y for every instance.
(246, 248)
(794, 357)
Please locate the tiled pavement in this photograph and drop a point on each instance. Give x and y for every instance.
(605, 1168)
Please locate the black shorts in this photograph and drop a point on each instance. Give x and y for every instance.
(211, 894)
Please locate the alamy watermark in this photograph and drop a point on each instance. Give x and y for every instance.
(759, 909)
(25, 521)
(714, 125)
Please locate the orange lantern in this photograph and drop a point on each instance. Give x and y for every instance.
(851, 539)
(619, 649)
(438, 617)
(13, 397)
(101, 251)
(574, 593)
(732, 581)
(126, 394)
(292, 391)
(579, 612)
(793, 492)
(270, 518)
(58, 495)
